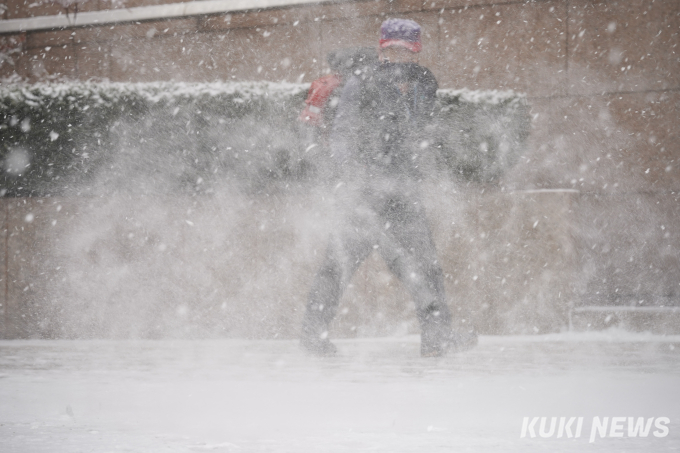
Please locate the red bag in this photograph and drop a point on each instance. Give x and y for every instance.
(317, 97)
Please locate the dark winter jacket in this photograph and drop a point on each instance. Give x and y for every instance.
(382, 118)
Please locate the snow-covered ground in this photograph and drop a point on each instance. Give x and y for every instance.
(377, 395)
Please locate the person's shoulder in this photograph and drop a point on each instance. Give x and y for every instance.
(406, 71)
(417, 67)
(423, 74)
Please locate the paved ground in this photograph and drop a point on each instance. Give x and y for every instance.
(378, 395)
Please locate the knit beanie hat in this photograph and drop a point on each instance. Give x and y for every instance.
(400, 32)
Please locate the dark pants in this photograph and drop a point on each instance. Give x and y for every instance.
(393, 224)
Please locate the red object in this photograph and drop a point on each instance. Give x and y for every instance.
(317, 97)
(412, 46)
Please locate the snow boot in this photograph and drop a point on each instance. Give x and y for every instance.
(436, 343)
(318, 345)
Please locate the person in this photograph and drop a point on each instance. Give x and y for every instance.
(379, 132)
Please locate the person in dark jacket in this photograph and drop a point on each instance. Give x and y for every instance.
(378, 135)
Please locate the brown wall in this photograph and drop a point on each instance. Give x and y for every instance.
(602, 78)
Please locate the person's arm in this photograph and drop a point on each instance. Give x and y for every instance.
(428, 86)
(346, 124)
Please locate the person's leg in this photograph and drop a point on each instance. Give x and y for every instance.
(409, 251)
(345, 252)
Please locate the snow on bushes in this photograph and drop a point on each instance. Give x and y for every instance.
(57, 138)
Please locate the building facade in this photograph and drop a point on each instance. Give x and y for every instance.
(591, 210)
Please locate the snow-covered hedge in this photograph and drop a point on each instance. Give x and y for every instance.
(481, 133)
(79, 138)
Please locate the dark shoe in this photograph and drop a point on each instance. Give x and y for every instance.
(318, 346)
(454, 341)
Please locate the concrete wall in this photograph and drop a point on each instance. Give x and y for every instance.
(603, 80)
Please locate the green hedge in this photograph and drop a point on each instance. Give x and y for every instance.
(85, 138)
